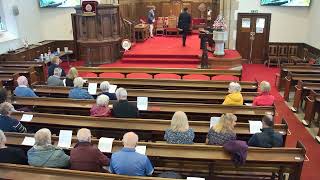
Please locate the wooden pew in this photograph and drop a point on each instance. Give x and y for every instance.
(302, 89)
(154, 95)
(312, 106)
(28, 72)
(207, 160)
(154, 71)
(38, 67)
(147, 129)
(292, 79)
(9, 81)
(297, 69)
(14, 171)
(174, 84)
(160, 110)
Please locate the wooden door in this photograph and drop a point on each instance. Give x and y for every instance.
(253, 31)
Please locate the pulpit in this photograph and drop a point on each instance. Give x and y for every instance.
(97, 36)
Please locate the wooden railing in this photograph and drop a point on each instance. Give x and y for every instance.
(127, 29)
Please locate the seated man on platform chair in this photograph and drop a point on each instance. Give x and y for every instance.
(123, 108)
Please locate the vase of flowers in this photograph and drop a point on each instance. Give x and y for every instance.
(220, 35)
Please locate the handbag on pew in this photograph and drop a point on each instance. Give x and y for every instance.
(238, 150)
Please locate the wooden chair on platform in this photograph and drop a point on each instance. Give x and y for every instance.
(283, 54)
(160, 26)
(273, 56)
(292, 53)
(172, 25)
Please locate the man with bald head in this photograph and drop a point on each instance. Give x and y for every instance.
(86, 157)
(127, 161)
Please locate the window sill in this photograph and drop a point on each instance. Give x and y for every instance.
(6, 36)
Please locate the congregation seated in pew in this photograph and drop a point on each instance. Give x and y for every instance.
(223, 131)
(72, 74)
(265, 98)
(55, 61)
(7, 123)
(55, 80)
(77, 92)
(44, 154)
(85, 156)
(129, 162)
(101, 109)
(123, 108)
(104, 86)
(11, 154)
(179, 131)
(22, 90)
(234, 97)
(268, 138)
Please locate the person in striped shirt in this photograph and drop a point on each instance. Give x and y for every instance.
(7, 123)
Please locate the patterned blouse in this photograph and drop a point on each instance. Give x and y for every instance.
(173, 137)
(215, 138)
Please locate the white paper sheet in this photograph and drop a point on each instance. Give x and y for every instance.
(28, 141)
(141, 149)
(26, 117)
(195, 178)
(142, 103)
(92, 88)
(105, 144)
(255, 126)
(214, 121)
(65, 137)
(248, 104)
(112, 88)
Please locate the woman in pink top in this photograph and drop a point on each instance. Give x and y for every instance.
(265, 98)
(101, 109)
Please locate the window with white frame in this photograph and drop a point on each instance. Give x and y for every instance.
(2, 19)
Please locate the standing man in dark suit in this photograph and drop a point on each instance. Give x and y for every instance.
(184, 24)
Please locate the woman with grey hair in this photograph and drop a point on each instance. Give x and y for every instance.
(123, 108)
(265, 98)
(77, 92)
(44, 154)
(104, 86)
(10, 154)
(101, 109)
(234, 97)
(7, 123)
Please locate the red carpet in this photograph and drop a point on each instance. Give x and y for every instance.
(170, 47)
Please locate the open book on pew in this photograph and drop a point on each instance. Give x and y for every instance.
(214, 121)
(112, 88)
(26, 117)
(105, 144)
(28, 141)
(255, 127)
(195, 178)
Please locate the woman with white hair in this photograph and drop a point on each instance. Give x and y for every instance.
(86, 157)
(101, 109)
(22, 90)
(77, 92)
(10, 154)
(179, 132)
(223, 131)
(7, 123)
(44, 154)
(265, 98)
(234, 97)
(104, 86)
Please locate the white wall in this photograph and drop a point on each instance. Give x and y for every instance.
(313, 37)
(288, 24)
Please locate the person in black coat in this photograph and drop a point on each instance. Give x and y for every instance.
(11, 154)
(268, 138)
(184, 24)
(123, 108)
(55, 64)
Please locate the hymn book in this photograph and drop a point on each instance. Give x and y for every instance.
(112, 88)
(26, 117)
(65, 137)
(141, 149)
(28, 141)
(214, 121)
(105, 144)
(255, 126)
(142, 103)
(92, 88)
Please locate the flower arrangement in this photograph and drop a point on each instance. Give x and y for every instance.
(219, 24)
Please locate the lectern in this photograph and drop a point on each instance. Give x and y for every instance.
(97, 36)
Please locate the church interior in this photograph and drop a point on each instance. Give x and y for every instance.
(242, 75)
